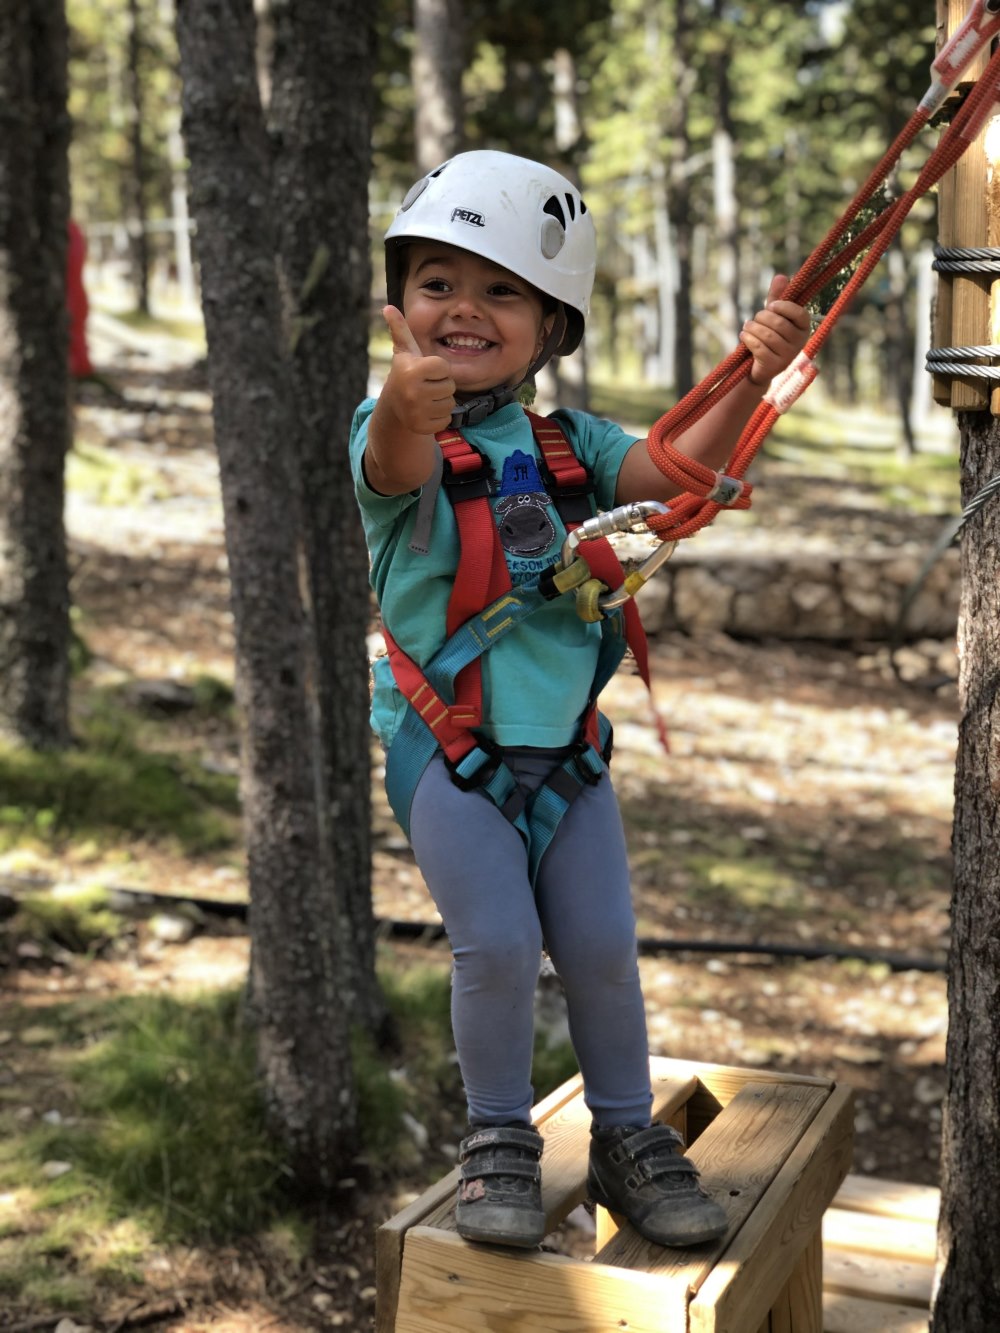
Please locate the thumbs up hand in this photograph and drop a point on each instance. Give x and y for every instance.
(419, 390)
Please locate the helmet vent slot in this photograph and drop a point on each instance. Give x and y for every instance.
(571, 206)
(553, 206)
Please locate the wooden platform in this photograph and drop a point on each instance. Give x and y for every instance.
(809, 1248)
(878, 1257)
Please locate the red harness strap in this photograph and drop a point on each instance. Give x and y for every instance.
(482, 574)
(570, 475)
(450, 723)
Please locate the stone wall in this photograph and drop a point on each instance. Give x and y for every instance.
(809, 593)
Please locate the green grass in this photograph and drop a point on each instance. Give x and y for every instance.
(828, 445)
(104, 477)
(190, 330)
(752, 883)
(163, 1124)
(77, 917)
(166, 1129)
(114, 784)
(857, 446)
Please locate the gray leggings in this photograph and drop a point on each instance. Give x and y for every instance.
(475, 866)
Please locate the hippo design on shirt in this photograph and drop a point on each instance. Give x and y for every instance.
(522, 509)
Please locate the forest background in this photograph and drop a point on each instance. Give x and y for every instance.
(650, 118)
(714, 144)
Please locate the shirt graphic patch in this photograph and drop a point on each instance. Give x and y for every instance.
(522, 510)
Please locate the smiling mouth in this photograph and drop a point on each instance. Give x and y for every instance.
(465, 342)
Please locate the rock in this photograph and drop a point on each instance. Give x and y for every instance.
(162, 696)
(701, 601)
(858, 1055)
(928, 1091)
(808, 596)
(53, 1170)
(416, 1130)
(171, 928)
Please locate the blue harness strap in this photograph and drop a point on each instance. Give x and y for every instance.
(482, 768)
(435, 721)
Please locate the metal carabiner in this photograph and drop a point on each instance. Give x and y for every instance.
(622, 519)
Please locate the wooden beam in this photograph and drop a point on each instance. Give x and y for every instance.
(848, 1314)
(765, 1253)
(876, 1278)
(739, 1156)
(889, 1198)
(893, 1237)
(963, 305)
(992, 151)
(450, 1286)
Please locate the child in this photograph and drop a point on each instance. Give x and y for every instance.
(495, 766)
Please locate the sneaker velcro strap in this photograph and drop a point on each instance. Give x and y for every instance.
(502, 1136)
(502, 1164)
(649, 1140)
(672, 1165)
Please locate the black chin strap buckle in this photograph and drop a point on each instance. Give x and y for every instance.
(477, 409)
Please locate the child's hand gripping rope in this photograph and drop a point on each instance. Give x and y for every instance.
(776, 334)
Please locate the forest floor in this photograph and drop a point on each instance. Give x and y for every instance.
(806, 804)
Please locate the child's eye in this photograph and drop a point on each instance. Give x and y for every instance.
(434, 285)
(503, 289)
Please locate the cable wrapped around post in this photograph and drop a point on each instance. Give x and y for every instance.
(966, 362)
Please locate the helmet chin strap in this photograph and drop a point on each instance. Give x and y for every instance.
(482, 405)
(477, 408)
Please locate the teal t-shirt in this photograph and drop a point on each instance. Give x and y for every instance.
(537, 679)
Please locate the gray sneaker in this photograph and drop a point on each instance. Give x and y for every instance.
(500, 1186)
(640, 1173)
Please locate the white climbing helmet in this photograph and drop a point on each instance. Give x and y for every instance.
(520, 214)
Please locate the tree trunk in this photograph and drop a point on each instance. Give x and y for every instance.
(679, 198)
(572, 383)
(968, 1290)
(438, 59)
(320, 114)
(34, 424)
(138, 170)
(899, 347)
(724, 187)
(302, 1025)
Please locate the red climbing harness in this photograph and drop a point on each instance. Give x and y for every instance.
(482, 579)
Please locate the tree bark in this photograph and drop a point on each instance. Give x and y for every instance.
(34, 413)
(320, 118)
(724, 186)
(138, 169)
(679, 198)
(302, 1025)
(570, 374)
(968, 1291)
(438, 60)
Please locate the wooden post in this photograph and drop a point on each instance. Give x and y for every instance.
(992, 143)
(963, 304)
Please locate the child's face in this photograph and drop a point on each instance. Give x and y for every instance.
(484, 321)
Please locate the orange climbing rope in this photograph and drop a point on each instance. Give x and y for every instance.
(706, 491)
